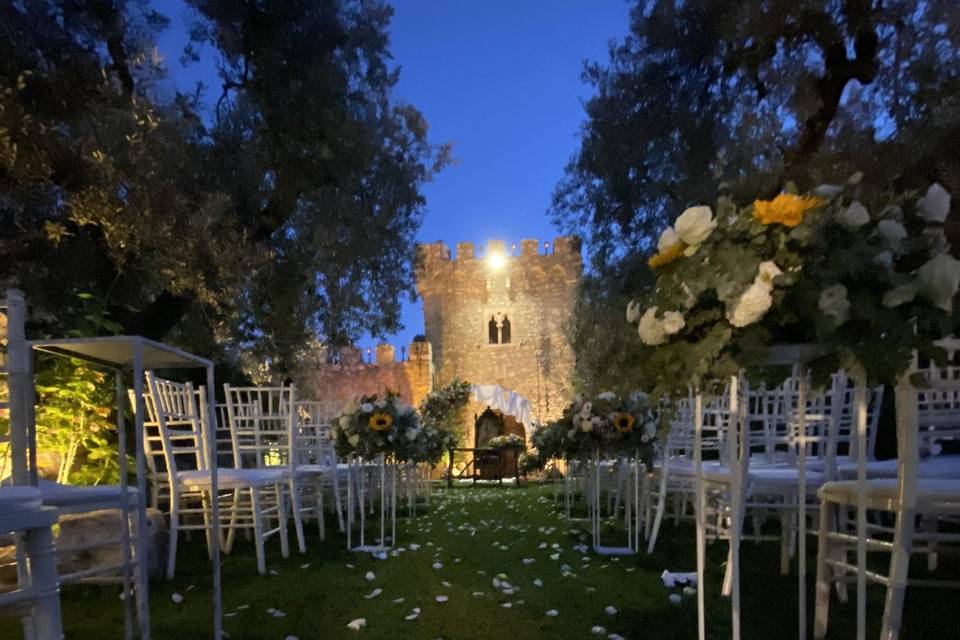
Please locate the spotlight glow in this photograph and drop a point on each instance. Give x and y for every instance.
(496, 261)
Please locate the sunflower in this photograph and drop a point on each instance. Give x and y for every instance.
(668, 255)
(786, 209)
(623, 422)
(380, 421)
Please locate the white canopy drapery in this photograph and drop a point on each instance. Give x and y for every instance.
(507, 402)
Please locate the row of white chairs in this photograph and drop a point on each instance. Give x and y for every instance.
(755, 457)
(278, 462)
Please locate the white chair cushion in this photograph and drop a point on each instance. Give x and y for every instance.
(68, 495)
(882, 492)
(16, 499)
(231, 478)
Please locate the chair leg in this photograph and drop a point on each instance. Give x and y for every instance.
(899, 569)
(282, 521)
(824, 573)
(258, 529)
(207, 523)
(321, 516)
(785, 543)
(232, 528)
(296, 506)
(336, 498)
(43, 570)
(174, 533)
(658, 518)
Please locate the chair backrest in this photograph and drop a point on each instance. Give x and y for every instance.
(314, 442)
(172, 408)
(938, 409)
(263, 425)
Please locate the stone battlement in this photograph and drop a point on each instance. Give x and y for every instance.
(562, 248)
(383, 354)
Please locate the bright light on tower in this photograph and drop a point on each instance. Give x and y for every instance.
(496, 260)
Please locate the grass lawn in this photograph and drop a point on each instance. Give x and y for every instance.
(476, 534)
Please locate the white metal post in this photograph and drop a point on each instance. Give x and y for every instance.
(736, 444)
(860, 416)
(17, 383)
(699, 508)
(124, 507)
(143, 604)
(802, 500)
(215, 502)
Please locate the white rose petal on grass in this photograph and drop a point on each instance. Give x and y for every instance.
(689, 591)
(675, 598)
(357, 624)
(694, 226)
(854, 216)
(938, 280)
(412, 616)
(935, 206)
(834, 303)
(528, 561)
(538, 582)
(370, 576)
(177, 598)
(598, 630)
(611, 611)
(506, 605)
(442, 598)
(552, 613)
(398, 600)
(437, 565)
(374, 593)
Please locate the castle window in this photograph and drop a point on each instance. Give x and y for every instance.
(498, 329)
(493, 332)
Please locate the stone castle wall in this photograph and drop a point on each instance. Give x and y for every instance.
(336, 383)
(533, 288)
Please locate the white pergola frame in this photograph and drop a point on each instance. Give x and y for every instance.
(136, 355)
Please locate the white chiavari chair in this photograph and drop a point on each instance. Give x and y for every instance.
(179, 442)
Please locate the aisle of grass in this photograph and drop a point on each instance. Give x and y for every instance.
(455, 549)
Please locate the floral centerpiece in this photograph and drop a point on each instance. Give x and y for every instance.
(510, 442)
(423, 444)
(868, 279)
(374, 425)
(606, 425)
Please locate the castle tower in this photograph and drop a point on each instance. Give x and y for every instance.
(500, 318)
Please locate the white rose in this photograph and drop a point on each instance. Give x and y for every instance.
(586, 426)
(892, 231)
(938, 280)
(884, 259)
(854, 216)
(751, 306)
(766, 272)
(834, 303)
(412, 434)
(607, 395)
(934, 206)
(651, 330)
(366, 407)
(354, 440)
(695, 225)
(668, 239)
(633, 311)
(899, 295)
(344, 421)
(673, 322)
(586, 409)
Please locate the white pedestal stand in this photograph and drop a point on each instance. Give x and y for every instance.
(364, 478)
(631, 504)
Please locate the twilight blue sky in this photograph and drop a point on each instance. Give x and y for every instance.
(500, 79)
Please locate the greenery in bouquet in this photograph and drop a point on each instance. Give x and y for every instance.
(607, 425)
(442, 410)
(374, 425)
(548, 440)
(866, 276)
(510, 442)
(423, 444)
(531, 461)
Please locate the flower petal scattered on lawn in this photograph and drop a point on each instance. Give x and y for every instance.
(552, 613)
(177, 598)
(374, 593)
(676, 598)
(357, 624)
(611, 611)
(538, 582)
(597, 630)
(437, 565)
(398, 600)
(528, 561)
(442, 598)
(305, 565)
(371, 576)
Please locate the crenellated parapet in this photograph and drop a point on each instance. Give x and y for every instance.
(528, 262)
